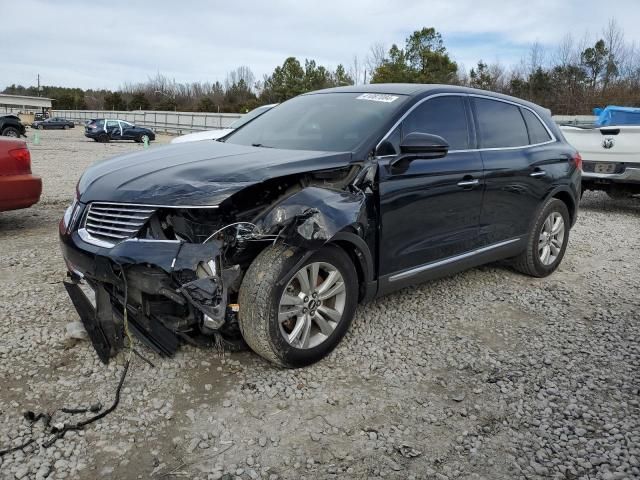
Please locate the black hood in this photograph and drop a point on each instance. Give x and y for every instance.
(196, 173)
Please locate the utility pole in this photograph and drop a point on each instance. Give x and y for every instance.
(38, 84)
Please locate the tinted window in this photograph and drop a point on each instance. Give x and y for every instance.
(537, 132)
(500, 124)
(336, 122)
(443, 116)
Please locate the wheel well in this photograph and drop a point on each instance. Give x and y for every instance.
(358, 262)
(568, 201)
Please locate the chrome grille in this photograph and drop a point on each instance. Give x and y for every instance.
(114, 222)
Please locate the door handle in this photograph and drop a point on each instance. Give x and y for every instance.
(538, 174)
(469, 183)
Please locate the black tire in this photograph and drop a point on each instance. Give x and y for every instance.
(66, 127)
(11, 132)
(259, 299)
(41, 127)
(103, 138)
(529, 262)
(140, 138)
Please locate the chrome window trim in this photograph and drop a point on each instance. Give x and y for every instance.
(438, 263)
(488, 97)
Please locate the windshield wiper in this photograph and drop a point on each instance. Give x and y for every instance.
(260, 145)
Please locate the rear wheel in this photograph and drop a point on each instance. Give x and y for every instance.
(547, 241)
(40, 127)
(66, 127)
(11, 132)
(295, 315)
(102, 138)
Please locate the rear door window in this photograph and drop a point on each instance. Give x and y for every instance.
(537, 132)
(444, 116)
(500, 124)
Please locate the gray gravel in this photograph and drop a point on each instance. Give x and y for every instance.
(488, 374)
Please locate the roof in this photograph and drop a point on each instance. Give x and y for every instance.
(25, 101)
(421, 89)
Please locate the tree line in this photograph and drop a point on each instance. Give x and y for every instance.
(573, 78)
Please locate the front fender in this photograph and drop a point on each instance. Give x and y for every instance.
(315, 216)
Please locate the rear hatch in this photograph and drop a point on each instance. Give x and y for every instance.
(93, 126)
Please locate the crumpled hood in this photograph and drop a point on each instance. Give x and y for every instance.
(195, 174)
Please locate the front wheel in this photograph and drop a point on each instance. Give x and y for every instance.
(11, 132)
(547, 241)
(294, 315)
(144, 138)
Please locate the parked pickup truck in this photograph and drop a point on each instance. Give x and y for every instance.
(610, 150)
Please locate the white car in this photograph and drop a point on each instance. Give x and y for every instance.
(221, 132)
(611, 157)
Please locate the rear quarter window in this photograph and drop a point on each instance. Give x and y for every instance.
(537, 132)
(500, 124)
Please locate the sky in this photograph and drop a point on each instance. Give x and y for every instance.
(103, 44)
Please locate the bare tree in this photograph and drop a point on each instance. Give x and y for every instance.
(375, 57)
(566, 53)
(356, 71)
(535, 58)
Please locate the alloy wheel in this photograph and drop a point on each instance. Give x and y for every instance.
(312, 305)
(551, 238)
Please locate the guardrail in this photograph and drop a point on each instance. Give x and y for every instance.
(577, 120)
(170, 122)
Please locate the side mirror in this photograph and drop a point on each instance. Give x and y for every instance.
(431, 146)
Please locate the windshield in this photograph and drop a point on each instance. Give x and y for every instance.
(336, 122)
(256, 112)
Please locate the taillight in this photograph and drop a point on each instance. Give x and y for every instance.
(22, 159)
(577, 159)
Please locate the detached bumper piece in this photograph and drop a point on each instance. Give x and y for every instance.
(105, 325)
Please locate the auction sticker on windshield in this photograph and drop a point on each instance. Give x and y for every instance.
(377, 97)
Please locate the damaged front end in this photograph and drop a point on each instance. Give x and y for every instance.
(178, 270)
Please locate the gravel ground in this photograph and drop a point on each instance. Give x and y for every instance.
(484, 375)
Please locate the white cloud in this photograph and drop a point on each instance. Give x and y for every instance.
(104, 44)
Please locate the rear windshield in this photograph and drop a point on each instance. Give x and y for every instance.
(337, 122)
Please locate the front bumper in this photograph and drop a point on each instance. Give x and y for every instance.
(166, 301)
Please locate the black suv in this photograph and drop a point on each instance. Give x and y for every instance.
(273, 235)
(11, 126)
(106, 130)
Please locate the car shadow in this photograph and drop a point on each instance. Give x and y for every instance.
(37, 217)
(601, 202)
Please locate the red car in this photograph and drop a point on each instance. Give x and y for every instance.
(18, 187)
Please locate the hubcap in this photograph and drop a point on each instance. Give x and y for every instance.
(312, 305)
(11, 133)
(551, 238)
